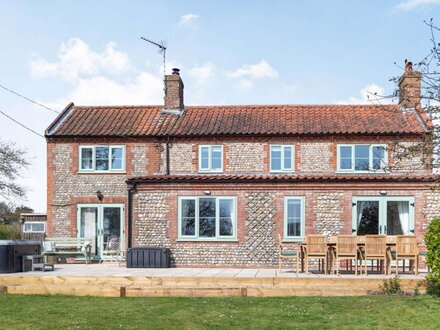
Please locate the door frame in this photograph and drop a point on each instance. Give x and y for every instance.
(100, 224)
(382, 211)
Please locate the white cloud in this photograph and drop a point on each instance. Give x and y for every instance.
(412, 4)
(93, 80)
(369, 94)
(188, 20)
(201, 74)
(248, 73)
(76, 59)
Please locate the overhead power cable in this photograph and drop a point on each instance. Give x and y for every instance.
(28, 99)
(22, 125)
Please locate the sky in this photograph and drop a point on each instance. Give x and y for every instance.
(229, 52)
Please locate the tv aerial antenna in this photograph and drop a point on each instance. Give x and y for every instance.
(162, 45)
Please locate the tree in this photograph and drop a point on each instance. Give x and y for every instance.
(12, 162)
(11, 215)
(429, 99)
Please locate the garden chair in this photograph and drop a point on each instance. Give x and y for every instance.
(347, 249)
(316, 248)
(407, 249)
(288, 253)
(112, 250)
(376, 249)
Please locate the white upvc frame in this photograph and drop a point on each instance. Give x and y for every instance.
(287, 238)
(383, 200)
(32, 223)
(209, 169)
(283, 147)
(383, 168)
(196, 236)
(93, 169)
(99, 235)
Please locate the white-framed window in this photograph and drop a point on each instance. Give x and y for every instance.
(282, 158)
(294, 215)
(207, 218)
(102, 158)
(362, 157)
(211, 158)
(34, 227)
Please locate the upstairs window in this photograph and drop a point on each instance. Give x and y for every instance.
(211, 158)
(362, 158)
(102, 158)
(281, 158)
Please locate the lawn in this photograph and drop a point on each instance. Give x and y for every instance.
(62, 312)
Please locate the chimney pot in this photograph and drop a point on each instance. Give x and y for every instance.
(176, 71)
(408, 67)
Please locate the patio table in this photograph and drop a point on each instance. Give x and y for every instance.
(331, 244)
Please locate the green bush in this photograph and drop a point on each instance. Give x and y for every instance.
(391, 286)
(432, 239)
(9, 232)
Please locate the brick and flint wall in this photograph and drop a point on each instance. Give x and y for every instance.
(328, 211)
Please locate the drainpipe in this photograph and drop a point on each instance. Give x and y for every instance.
(167, 151)
(131, 189)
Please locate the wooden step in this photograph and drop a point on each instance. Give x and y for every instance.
(70, 290)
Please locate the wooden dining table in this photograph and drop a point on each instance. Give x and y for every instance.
(331, 244)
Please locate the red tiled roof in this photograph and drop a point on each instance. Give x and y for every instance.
(121, 121)
(222, 178)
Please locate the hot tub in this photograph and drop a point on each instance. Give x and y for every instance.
(11, 252)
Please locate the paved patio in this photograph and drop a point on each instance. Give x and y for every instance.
(115, 270)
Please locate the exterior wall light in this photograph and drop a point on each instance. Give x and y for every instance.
(383, 192)
(207, 192)
(100, 195)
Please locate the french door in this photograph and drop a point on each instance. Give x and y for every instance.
(101, 222)
(383, 215)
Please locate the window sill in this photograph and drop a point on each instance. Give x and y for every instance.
(361, 172)
(210, 172)
(102, 172)
(213, 240)
(292, 240)
(281, 172)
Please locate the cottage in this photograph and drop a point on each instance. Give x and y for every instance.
(217, 184)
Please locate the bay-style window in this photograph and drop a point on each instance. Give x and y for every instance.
(211, 158)
(362, 157)
(207, 218)
(294, 218)
(101, 158)
(281, 158)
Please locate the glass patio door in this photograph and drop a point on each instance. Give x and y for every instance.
(101, 222)
(383, 215)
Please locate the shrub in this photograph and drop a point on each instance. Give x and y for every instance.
(432, 239)
(391, 286)
(9, 232)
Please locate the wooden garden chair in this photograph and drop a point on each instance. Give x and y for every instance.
(376, 249)
(288, 253)
(347, 249)
(407, 249)
(316, 248)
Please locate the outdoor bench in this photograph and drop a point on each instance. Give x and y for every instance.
(68, 246)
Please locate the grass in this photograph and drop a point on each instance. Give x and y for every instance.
(63, 312)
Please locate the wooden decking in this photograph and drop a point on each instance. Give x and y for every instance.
(114, 281)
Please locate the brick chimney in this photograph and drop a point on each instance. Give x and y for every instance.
(410, 88)
(174, 91)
